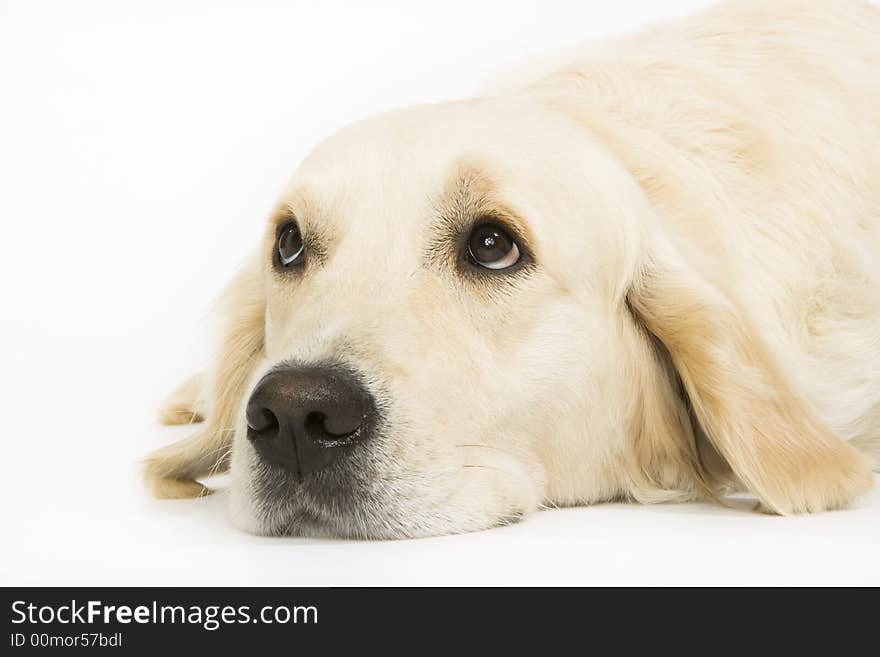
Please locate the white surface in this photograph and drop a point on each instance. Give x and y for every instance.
(142, 146)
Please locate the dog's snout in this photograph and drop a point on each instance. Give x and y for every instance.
(303, 418)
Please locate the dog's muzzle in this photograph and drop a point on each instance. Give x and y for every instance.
(303, 419)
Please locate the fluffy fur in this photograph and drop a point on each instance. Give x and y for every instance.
(702, 315)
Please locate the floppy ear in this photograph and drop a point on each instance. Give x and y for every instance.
(172, 471)
(770, 438)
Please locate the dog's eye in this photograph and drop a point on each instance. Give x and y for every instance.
(290, 244)
(492, 247)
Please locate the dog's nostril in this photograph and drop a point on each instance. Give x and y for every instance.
(314, 425)
(262, 422)
(320, 429)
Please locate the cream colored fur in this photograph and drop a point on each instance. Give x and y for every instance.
(703, 203)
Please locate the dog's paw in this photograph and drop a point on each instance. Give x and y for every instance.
(831, 483)
(185, 405)
(160, 479)
(176, 489)
(171, 472)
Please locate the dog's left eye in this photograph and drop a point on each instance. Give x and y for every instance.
(290, 244)
(492, 247)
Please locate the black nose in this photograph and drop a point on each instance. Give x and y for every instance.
(303, 418)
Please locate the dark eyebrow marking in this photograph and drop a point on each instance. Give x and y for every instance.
(470, 198)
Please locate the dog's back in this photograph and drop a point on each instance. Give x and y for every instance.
(754, 128)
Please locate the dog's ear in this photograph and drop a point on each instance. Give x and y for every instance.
(770, 438)
(173, 471)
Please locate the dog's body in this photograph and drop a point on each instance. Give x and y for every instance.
(755, 130)
(698, 210)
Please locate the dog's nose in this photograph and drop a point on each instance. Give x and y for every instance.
(303, 418)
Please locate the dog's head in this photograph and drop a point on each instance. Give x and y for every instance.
(443, 307)
(461, 312)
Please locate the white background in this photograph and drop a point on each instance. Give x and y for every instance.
(141, 147)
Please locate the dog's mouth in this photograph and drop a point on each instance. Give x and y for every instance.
(366, 498)
(343, 499)
(383, 487)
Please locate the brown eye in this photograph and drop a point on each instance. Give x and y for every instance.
(290, 244)
(492, 247)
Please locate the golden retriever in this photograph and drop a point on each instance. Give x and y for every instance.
(651, 275)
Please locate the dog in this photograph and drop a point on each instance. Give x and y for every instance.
(652, 274)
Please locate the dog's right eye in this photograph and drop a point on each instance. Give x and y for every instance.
(492, 247)
(290, 245)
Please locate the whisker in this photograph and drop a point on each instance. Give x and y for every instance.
(484, 446)
(219, 462)
(509, 518)
(218, 449)
(489, 467)
(479, 445)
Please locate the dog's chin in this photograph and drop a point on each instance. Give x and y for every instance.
(369, 525)
(368, 498)
(301, 511)
(303, 516)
